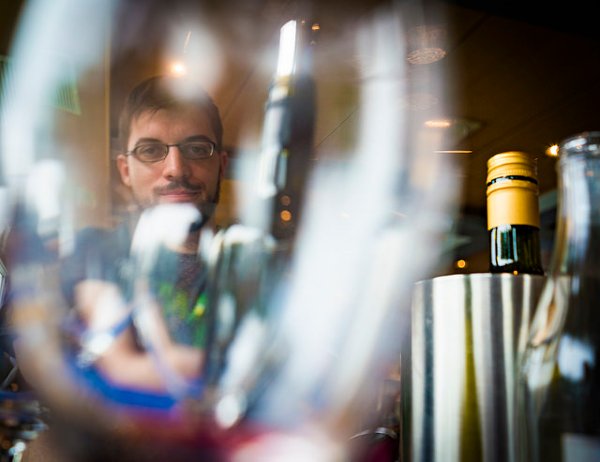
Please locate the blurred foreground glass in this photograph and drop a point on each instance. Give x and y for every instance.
(290, 356)
(560, 374)
(21, 415)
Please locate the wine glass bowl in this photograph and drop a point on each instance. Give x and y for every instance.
(290, 333)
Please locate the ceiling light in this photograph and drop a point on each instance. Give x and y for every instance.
(438, 123)
(426, 44)
(425, 55)
(178, 68)
(458, 127)
(461, 264)
(454, 130)
(552, 151)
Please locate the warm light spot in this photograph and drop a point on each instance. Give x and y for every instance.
(456, 151)
(285, 215)
(438, 123)
(316, 26)
(515, 272)
(461, 264)
(178, 68)
(552, 151)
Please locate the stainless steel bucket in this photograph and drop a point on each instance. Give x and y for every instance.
(459, 367)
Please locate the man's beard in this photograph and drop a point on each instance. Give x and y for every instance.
(205, 207)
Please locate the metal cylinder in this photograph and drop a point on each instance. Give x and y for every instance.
(459, 367)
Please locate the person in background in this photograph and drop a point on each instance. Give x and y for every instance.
(170, 136)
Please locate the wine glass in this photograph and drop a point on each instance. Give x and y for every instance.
(296, 336)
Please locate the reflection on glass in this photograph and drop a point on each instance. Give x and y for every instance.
(238, 342)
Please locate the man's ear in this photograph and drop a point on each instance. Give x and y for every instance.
(123, 167)
(224, 161)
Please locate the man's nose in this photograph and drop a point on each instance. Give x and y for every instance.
(175, 165)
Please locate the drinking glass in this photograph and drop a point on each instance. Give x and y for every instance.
(297, 334)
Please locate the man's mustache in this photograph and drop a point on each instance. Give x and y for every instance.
(179, 185)
(206, 208)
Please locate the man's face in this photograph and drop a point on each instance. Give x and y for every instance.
(175, 178)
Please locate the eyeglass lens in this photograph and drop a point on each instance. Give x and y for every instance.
(154, 152)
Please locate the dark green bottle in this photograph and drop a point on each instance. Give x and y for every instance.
(513, 216)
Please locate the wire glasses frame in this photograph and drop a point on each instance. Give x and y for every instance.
(156, 152)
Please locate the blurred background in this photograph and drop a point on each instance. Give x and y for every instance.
(519, 76)
(482, 78)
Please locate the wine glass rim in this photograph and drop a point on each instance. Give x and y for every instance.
(582, 143)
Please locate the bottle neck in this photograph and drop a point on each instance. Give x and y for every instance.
(512, 202)
(513, 224)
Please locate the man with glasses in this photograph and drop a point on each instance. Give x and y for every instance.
(170, 135)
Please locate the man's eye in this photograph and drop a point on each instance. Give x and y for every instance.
(198, 149)
(149, 150)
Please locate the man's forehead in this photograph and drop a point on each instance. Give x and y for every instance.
(193, 121)
(178, 113)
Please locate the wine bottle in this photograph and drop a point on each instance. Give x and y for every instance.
(288, 131)
(559, 392)
(513, 214)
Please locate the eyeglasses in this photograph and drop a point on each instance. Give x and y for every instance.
(155, 152)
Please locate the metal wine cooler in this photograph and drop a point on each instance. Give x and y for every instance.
(459, 366)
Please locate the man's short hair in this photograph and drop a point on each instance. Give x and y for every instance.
(166, 92)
